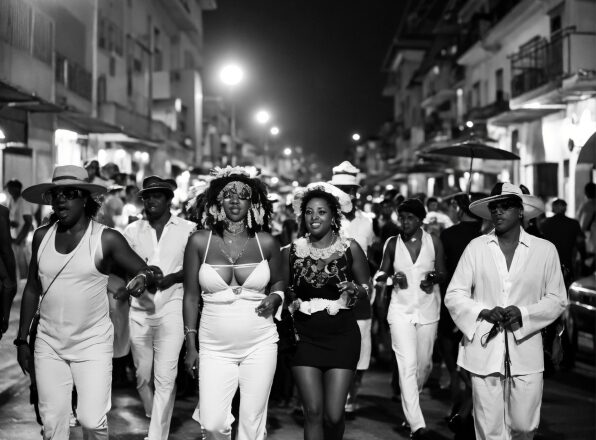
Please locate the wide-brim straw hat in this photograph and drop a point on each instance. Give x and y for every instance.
(345, 202)
(533, 206)
(70, 176)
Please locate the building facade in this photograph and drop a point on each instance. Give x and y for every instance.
(519, 74)
(114, 80)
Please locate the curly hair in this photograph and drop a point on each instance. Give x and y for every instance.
(202, 214)
(333, 205)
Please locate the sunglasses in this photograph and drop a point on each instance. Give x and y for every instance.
(55, 194)
(502, 205)
(243, 194)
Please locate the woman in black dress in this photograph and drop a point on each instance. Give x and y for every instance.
(328, 273)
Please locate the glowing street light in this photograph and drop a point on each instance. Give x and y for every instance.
(287, 151)
(356, 137)
(231, 74)
(262, 117)
(274, 131)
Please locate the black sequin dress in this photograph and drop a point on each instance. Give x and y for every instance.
(325, 341)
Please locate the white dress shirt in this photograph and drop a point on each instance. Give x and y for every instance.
(360, 228)
(167, 254)
(534, 283)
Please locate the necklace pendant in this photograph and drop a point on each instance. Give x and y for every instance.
(237, 290)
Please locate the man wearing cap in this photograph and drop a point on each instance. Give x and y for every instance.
(415, 258)
(156, 326)
(506, 288)
(358, 227)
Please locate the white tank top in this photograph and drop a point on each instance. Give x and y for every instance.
(74, 315)
(417, 306)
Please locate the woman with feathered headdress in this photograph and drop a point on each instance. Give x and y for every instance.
(240, 283)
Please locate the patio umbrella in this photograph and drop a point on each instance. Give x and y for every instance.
(474, 150)
(588, 152)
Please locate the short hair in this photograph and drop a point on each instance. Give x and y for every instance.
(15, 183)
(431, 200)
(333, 205)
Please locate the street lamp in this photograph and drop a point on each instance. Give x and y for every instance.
(262, 117)
(287, 151)
(231, 75)
(355, 137)
(274, 131)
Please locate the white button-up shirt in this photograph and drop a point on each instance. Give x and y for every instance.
(167, 254)
(534, 283)
(360, 228)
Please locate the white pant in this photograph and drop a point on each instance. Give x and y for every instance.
(55, 377)
(219, 378)
(413, 347)
(155, 348)
(365, 326)
(503, 411)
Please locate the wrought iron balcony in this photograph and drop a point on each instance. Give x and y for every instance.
(542, 61)
(74, 77)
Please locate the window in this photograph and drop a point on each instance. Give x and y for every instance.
(476, 94)
(112, 66)
(499, 85)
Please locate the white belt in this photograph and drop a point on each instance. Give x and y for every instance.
(318, 305)
(233, 294)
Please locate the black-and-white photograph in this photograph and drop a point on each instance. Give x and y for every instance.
(285, 220)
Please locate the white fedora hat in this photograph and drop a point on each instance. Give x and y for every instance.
(71, 176)
(345, 174)
(533, 206)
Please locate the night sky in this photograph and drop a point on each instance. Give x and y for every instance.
(316, 65)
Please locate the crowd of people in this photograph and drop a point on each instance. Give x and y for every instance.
(284, 303)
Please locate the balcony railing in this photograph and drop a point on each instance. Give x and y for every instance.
(74, 77)
(27, 28)
(545, 61)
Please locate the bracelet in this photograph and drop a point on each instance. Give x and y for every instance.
(366, 288)
(378, 274)
(189, 330)
(20, 341)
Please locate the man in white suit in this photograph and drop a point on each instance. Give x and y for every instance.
(507, 287)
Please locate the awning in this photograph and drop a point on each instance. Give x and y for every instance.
(520, 115)
(125, 138)
(84, 124)
(16, 99)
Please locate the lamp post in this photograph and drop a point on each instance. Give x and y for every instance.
(262, 117)
(232, 75)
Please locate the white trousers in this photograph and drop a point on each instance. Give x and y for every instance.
(220, 377)
(413, 347)
(155, 346)
(55, 377)
(365, 326)
(504, 411)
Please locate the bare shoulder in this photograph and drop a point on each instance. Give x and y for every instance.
(198, 239)
(266, 239)
(39, 234)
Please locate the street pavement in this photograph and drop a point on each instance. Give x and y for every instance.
(567, 411)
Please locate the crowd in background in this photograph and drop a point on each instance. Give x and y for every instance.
(447, 219)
